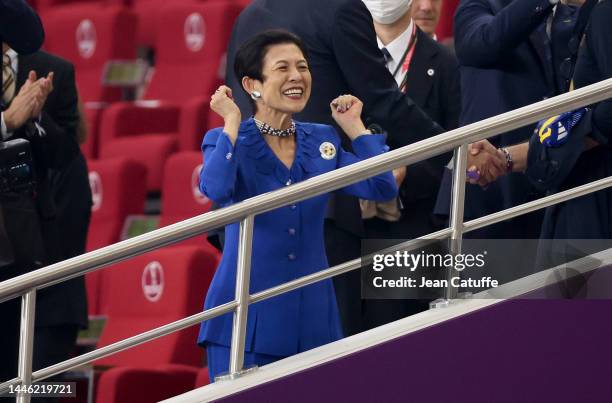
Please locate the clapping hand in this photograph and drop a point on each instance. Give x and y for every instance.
(485, 163)
(45, 87)
(29, 101)
(346, 111)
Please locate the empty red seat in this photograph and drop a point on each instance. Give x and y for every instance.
(188, 59)
(89, 35)
(92, 119)
(190, 54)
(147, 11)
(181, 197)
(145, 133)
(202, 378)
(118, 190)
(152, 290)
(42, 6)
(144, 385)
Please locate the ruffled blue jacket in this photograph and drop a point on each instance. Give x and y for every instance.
(287, 242)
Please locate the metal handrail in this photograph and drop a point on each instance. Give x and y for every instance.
(455, 139)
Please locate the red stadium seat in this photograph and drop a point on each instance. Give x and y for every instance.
(189, 56)
(194, 122)
(444, 30)
(118, 190)
(90, 147)
(144, 385)
(46, 5)
(190, 53)
(147, 11)
(144, 133)
(202, 379)
(152, 290)
(89, 35)
(181, 197)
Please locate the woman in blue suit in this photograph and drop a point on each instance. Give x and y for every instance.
(268, 152)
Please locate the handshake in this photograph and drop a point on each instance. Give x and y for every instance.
(486, 163)
(29, 101)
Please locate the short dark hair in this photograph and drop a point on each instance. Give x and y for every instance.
(250, 55)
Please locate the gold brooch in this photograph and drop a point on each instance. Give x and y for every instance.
(328, 151)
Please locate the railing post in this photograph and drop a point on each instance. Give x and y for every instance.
(243, 276)
(26, 342)
(456, 221)
(457, 207)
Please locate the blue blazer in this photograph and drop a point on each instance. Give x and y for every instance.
(287, 242)
(506, 62)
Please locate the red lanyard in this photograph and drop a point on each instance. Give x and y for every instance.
(408, 58)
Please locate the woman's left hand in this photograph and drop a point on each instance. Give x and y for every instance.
(346, 111)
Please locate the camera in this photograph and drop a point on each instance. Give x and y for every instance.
(16, 167)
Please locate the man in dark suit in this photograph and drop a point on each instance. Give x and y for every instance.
(510, 52)
(44, 112)
(344, 59)
(21, 29)
(429, 73)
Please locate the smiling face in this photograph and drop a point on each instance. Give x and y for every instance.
(286, 79)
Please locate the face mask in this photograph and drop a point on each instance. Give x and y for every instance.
(387, 11)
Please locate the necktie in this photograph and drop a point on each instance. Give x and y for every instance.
(387, 55)
(8, 80)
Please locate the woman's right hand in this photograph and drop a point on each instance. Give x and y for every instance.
(223, 104)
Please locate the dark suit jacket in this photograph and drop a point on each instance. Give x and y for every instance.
(501, 47)
(54, 153)
(590, 216)
(433, 84)
(344, 59)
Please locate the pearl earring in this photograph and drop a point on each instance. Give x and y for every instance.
(255, 95)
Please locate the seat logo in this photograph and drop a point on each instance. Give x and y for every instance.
(95, 183)
(195, 186)
(86, 38)
(194, 32)
(153, 281)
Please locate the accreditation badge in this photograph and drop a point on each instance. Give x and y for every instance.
(327, 150)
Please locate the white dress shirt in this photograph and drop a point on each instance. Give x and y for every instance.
(396, 49)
